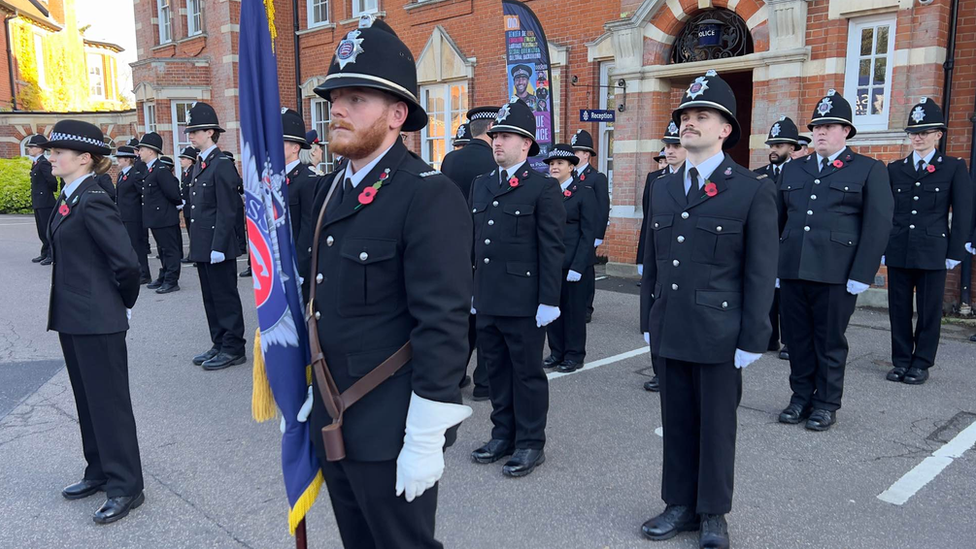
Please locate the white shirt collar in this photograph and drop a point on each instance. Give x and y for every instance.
(672, 169)
(291, 166)
(203, 155)
(357, 178)
(830, 158)
(566, 185)
(126, 169)
(927, 159)
(34, 158)
(705, 169)
(513, 170)
(73, 186)
(151, 163)
(581, 167)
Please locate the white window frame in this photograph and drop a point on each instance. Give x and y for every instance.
(39, 60)
(194, 19)
(321, 116)
(359, 7)
(99, 70)
(180, 139)
(149, 115)
(164, 18)
(605, 159)
(312, 21)
(453, 117)
(869, 122)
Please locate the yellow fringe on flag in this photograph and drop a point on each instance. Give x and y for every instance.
(263, 405)
(304, 503)
(269, 7)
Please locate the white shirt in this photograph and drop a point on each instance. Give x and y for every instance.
(291, 166)
(927, 160)
(566, 185)
(149, 164)
(73, 186)
(830, 158)
(126, 169)
(34, 158)
(357, 178)
(705, 170)
(203, 155)
(511, 171)
(581, 167)
(779, 169)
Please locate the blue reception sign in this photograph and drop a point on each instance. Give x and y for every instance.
(597, 115)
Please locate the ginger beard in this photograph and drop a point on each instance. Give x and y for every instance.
(356, 143)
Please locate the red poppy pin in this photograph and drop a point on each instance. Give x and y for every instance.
(930, 168)
(838, 163)
(125, 177)
(711, 189)
(203, 165)
(64, 210)
(567, 193)
(513, 182)
(367, 196)
(287, 181)
(582, 177)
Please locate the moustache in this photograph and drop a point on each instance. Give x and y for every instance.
(336, 125)
(693, 132)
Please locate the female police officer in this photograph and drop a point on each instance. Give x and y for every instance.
(95, 284)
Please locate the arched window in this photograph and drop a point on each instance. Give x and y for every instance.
(712, 34)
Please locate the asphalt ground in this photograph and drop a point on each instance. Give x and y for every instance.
(213, 475)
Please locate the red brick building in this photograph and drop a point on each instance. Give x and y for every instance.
(779, 55)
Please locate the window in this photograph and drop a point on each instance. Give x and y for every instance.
(609, 102)
(39, 60)
(181, 111)
(165, 24)
(194, 17)
(446, 105)
(320, 123)
(96, 82)
(870, 46)
(149, 114)
(318, 13)
(359, 7)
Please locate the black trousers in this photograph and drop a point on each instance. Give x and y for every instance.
(41, 218)
(916, 350)
(774, 313)
(815, 318)
(567, 334)
(369, 513)
(98, 367)
(139, 236)
(222, 303)
(169, 244)
(480, 374)
(698, 406)
(517, 383)
(186, 225)
(589, 280)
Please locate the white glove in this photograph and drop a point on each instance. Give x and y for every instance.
(180, 207)
(854, 287)
(647, 338)
(421, 460)
(970, 249)
(306, 408)
(597, 242)
(573, 276)
(882, 260)
(216, 257)
(640, 269)
(951, 264)
(545, 314)
(777, 283)
(128, 312)
(745, 358)
(473, 311)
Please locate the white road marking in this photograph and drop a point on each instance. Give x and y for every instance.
(923, 473)
(603, 362)
(16, 224)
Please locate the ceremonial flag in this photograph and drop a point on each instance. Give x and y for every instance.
(281, 352)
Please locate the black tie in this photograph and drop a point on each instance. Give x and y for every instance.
(823, 164)
(504, 178)
(776, 170)
(337, 198)
(693, 175)
(918, 168)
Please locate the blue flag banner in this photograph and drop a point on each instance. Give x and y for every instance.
(281, 350)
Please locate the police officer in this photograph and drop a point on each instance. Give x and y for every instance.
(583, 145)
(105, 180)
(520, 78)
(44, 185)
(129, 199)
(567, 334)
(674, 155)
(462, 136)
(783, 141)
(662, 160)
(393, 266)
(214, 202)
(709, 271)
(168, 162)
(804, 144)
(518, 260)
(835, 219)
(462, 167)
(188, 157)
(923, 244)
(240, 223)
(94, 286)
(302, 183)
(161, 196)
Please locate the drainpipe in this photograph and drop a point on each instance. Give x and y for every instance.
(298, 59)
(965, 293)
(10, 63)
(948, 66)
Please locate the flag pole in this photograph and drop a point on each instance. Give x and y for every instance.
(301, 541)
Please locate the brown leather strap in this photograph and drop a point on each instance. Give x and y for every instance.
(327, 387)
(376, 376)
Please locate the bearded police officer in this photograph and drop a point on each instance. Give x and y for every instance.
(44, 185)
(518, 260)
(709, 271)
(302, 183)
(161, 196)
(923, 243)
(582, 143)
(783, 140)
(392, 267)
(835, 219)
(129, 201)
(520, 78)
(674, 156)
(213, 245)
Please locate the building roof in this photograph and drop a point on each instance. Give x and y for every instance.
(31, 9)
(101, 44)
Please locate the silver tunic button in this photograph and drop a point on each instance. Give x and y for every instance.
(491, 221)
(193, 206)
(528, 273)
(495, 203)
(917, 184)
(809, 212)
(813, 197)
(674, 286)
(936, 189)
(915, 198)
(474, 210)
(911, 226)
(487, 241)
(318, 315)
(487, 261)
(807, 228)
(676, 263)
(684, 215)
(914, 212)
(847, 188)
(517, 212)
(363, 256)
(817, 181)
(725, 304)
(656, 225)
(718, 229)
(329, 240)
(680, 239)
(319, 278)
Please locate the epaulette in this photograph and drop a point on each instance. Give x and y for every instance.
(761, 176)
(96, 191)
(430, 173)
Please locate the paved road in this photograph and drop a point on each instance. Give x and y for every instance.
(213, 476)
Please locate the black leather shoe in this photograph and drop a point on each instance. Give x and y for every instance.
(972, 337)
(784, 353)
(168, 288)
(713, 533)
(674, 519)
(916, 376)
(480, 394)
(246, 273)
(794, 413)
(200, 359)
(654, 385)
(896, 374)
(154, 284)
(82, 489)
(223, 360)
(38, 259)
(821, 420)
(569, 366)
(186, 260)
(145, 280)
(118, 508)
(46, 261)
(493, 450)
(551, 362)
(523, 462)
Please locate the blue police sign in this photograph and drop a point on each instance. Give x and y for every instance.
(597, 115)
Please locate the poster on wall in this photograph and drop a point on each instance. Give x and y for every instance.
(529, 74)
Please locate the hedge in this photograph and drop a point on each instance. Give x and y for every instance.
(15, 191)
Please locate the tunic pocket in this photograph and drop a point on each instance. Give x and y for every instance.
(369, 277)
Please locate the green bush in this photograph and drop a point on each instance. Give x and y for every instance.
(15, 186)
